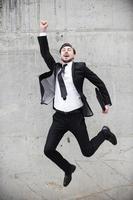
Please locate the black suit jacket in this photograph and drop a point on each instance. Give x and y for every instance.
(79, 72)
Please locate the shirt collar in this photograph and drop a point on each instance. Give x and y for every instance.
(69, 63)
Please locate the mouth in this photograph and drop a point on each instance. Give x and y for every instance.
(66, 56)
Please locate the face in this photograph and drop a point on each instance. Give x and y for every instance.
(67, 54)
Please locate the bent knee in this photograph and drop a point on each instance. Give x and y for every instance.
(88, 152)
(48, 151)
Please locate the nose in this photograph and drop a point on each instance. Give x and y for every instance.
(66, 50)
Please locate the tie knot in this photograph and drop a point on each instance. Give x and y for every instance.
(64, 65)
(63, 68)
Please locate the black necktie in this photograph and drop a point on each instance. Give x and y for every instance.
(61, 82)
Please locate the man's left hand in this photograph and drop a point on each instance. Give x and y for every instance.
(106, 109)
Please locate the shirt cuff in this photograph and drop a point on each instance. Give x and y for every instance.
(43, 34)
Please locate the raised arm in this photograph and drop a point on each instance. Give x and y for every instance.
(44, 47)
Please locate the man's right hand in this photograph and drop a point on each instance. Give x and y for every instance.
(43, 25)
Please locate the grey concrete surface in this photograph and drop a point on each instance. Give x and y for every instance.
(102, 33)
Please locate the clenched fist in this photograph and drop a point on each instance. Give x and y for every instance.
(43, 25)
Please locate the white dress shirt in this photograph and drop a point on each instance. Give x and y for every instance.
(73, 100)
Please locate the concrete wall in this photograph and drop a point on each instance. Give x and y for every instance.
(102, 33)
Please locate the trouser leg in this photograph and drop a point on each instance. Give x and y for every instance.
(56, 132)
(78, 128)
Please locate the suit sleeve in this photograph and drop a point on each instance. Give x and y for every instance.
(44, 49)
(93, 78)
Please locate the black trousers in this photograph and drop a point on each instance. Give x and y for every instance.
(74, 122)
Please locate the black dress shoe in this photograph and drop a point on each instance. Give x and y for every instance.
(68, 176)
(109, 135)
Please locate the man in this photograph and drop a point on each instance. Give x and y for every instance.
(65, 83)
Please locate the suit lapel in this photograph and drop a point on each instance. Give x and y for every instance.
(73, 71)
(74, 76)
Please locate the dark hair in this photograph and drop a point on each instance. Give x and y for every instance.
(69, 45)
